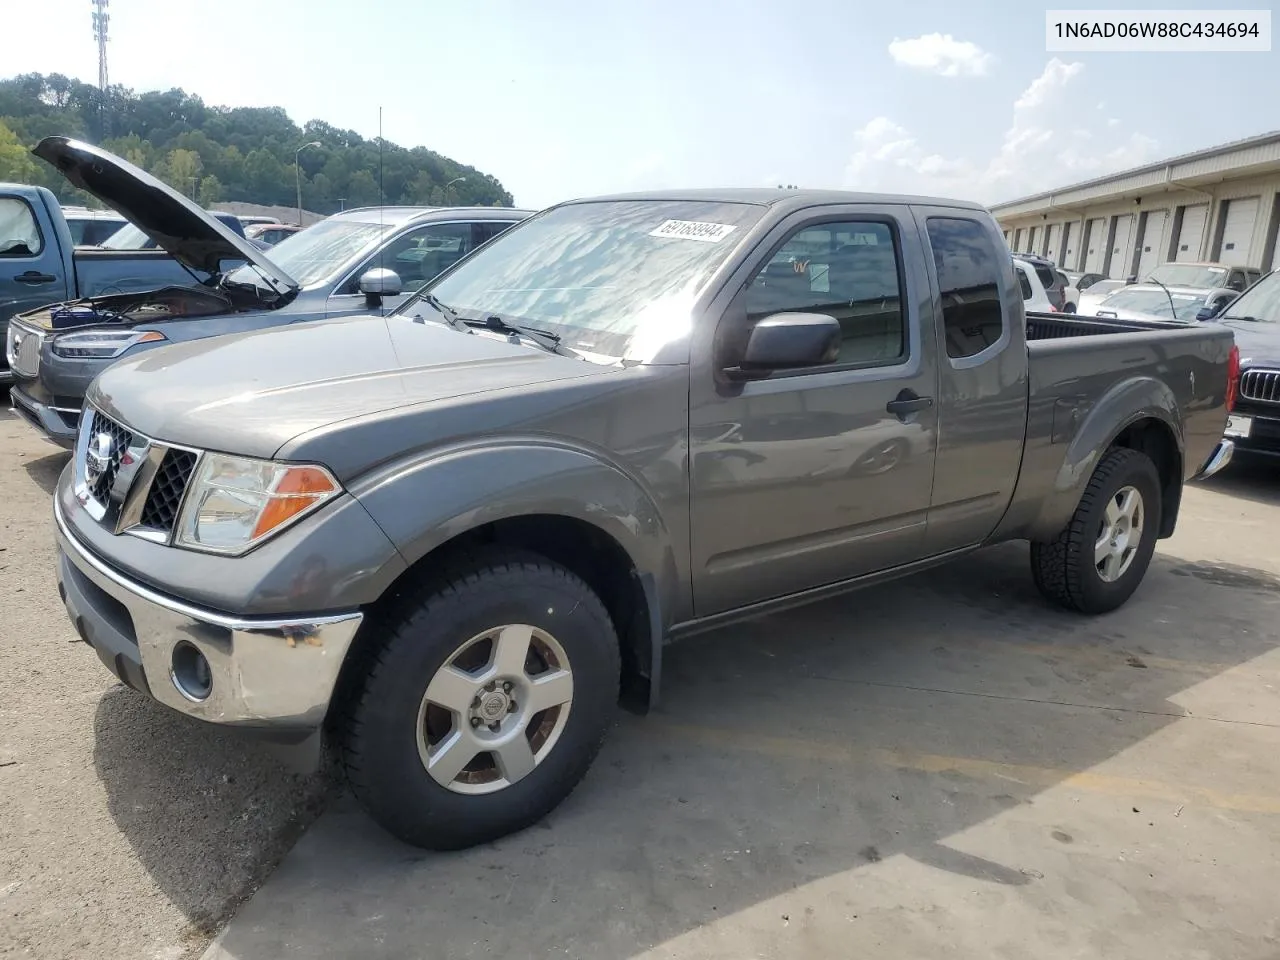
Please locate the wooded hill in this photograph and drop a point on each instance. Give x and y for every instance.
(223, 153)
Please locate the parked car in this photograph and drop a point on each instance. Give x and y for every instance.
(91, 227)
(254, 219)
(1034, 296)
(1254, 318)
(271, 233)
(361, 261)
(1205, 275)
(133, 237)
(1096, 293)
(452, 538)
(1083, 281)
(41, 264)
(1070, 293)
(1051, 278)
(1150, 301)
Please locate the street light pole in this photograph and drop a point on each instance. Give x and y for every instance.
(297, 174)
(450, 184)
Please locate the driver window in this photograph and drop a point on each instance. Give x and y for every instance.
(848, 270)
(417, 256)
(19, 235)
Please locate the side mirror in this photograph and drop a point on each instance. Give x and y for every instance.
(378, 283)
(787, 341)
(1132, 278)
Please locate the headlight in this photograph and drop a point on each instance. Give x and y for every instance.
(101, 344)
(234, 503)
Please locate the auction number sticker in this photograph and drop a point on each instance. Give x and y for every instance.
(693, 230)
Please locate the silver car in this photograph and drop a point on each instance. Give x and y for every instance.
(1153, 302)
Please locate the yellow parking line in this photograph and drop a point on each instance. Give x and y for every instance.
(793, 748)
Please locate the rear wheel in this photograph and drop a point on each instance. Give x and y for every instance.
(484, 704)
(1098, 560)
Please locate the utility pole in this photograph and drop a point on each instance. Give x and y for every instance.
(100, 20)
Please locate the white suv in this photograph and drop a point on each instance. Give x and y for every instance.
(1033, 293)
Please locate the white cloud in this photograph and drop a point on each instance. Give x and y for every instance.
(1113, 122)
(1037, 152)
(942, 54)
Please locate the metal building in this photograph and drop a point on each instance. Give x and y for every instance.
(1219, 204)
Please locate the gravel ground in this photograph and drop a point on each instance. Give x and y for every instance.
(126, 830)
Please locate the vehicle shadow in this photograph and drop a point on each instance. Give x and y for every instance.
(1248, 478)
(208, 813)
(46, 470)
(787, 751)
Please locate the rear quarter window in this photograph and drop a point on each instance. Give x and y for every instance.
(968, 269)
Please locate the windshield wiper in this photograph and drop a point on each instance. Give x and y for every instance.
(1229, 316)
(544, 338)
(450, 315)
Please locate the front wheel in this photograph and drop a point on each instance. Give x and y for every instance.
(485, 703)
(1098, 560)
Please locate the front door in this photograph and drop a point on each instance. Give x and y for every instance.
(31, 272)
(807, 478)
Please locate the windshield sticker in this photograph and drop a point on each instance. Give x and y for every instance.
(694, 230)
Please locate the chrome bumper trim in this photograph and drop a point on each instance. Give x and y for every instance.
(1221, 457)
(267, 672)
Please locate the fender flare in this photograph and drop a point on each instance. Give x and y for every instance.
(1126, 403)
(426, 501)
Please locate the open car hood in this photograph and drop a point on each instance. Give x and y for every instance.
(188, 233)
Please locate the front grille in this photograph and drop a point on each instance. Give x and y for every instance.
(1261, 386)
(101, 471)
(22, 350)
(165, 496)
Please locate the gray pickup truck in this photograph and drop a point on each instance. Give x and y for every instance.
(453, 539)
(361, 261)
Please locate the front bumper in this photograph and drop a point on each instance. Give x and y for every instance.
(1264, 432)
(56, 423)
(271, 673)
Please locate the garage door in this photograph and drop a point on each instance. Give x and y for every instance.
(1017, 240)
(1035, 237)
(1051, 248)
(1095, 232)
(1192, 229)
(1122, 248)
(1068, 258)
(1237, 231)
(1152, 253)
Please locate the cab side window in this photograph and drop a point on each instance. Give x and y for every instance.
(848, 270)
(19, 235)
(968, 279)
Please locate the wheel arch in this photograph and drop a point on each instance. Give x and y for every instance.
(562, 503)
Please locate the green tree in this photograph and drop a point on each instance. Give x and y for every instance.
(16, 162)
(210, 191)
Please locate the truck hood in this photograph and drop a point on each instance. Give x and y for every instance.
(1259, 341)
(250, 393)
(183, 229)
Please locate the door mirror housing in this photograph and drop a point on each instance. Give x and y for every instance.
(788, 341)
(378, 283)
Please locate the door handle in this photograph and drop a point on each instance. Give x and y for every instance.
(33, 277)
(907, 402)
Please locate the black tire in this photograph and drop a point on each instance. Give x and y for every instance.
(1064, 568)
(376, 726)
(1069, 308)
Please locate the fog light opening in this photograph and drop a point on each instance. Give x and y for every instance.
(190, 672)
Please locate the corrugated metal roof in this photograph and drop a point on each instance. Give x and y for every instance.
(1251, 151)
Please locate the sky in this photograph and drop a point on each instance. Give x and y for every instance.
(561, 98)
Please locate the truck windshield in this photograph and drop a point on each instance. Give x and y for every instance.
(614, 279)
(319, 252)
(1260, 303)
(1188, 275)
(1155, 301)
